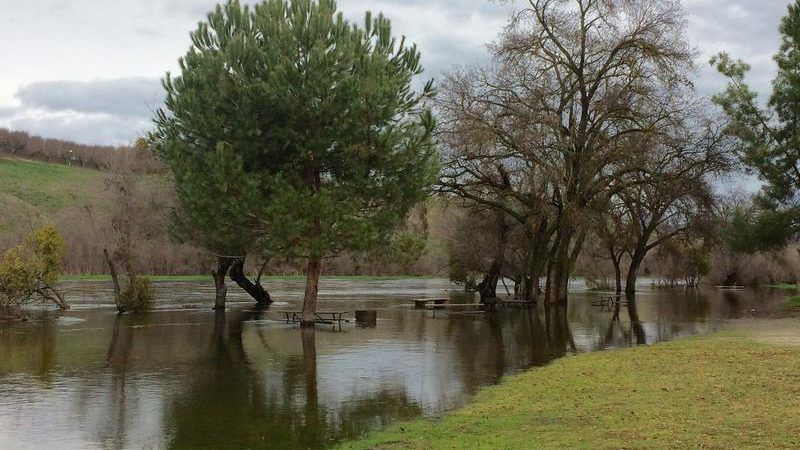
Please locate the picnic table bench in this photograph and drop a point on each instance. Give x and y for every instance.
(517, 304)
(324, 317)
(423, 302)
(458, 308)
(609, 301)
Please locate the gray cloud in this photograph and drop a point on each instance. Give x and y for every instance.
(109, 112)
(747, 29)
(81, 128)
(132, 97)
(131, 44)
(8, 111)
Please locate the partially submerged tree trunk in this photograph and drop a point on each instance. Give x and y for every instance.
(617, 277)
(115, 279)
(48, 293)
(256, 290)
(312, 288)
(487, 288)
(314, 260)
(537, 261)
(616, 260)
(220, 288)
(637, 257)
(112, 268)
(559, 268)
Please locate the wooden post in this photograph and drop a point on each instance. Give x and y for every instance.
(368, 317)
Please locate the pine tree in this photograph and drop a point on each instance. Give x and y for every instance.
(769, 137)
(304, 126)
(207, 132)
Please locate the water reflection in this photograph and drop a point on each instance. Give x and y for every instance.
(228, 404)
(183, 377)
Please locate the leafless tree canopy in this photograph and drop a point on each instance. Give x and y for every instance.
(586, 108)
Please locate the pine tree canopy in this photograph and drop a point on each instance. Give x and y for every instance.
(290, 125)
(769, 135)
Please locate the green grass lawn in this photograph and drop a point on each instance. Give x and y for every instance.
(795, 301)
(718, 392)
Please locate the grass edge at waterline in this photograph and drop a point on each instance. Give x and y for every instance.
(718, 391)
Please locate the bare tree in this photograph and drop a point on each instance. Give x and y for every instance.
(571, 82)
(669, 194)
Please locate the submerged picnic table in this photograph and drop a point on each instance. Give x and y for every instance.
(424, 302)
(609, 301)
(326, 317)
(462, 309)
(520, 304)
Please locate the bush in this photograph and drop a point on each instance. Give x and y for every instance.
(598, 283)
(461, 277)
(29, 271)
(137, 295)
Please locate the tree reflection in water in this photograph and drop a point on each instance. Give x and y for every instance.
(636, 323)
(227, 404)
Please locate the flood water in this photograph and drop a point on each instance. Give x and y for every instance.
(183, 376)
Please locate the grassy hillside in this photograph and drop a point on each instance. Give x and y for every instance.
(33, 192)
(76, 200)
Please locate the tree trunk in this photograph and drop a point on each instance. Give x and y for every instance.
(115, 279)
(534, 264)
(48, 293)
(527, 288)
(633, 273)
(558, 275)
(617, 275)
(536, 286)
(538, 262)
(259, 294)
(221, 290)
(113, 270)
(312, 288)
(60, 301)
(487, 288)
(314, 260)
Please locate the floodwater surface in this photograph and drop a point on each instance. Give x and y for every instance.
(183, 376)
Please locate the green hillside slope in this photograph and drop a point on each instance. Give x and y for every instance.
(33, 192)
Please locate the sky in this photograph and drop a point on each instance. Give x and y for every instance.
(89, 70)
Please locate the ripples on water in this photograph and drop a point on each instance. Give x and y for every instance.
(183, 376)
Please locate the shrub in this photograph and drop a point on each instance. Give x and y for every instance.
(29, 271)
(598, 283)
(137, 295)
(461, 277)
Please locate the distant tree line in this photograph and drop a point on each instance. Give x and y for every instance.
(136, 158)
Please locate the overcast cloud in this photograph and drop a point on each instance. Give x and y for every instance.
(89, 70)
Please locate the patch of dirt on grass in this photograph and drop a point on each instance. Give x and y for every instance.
(785, 331)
